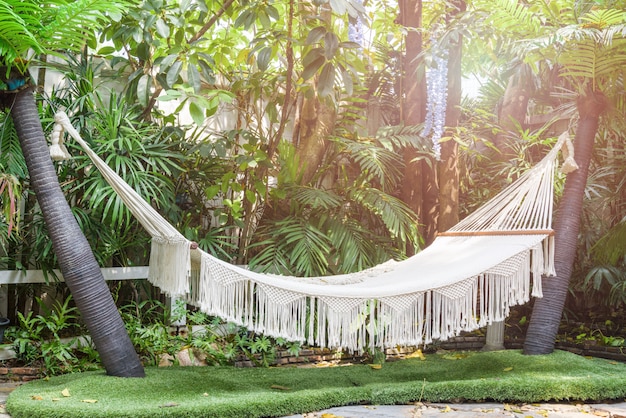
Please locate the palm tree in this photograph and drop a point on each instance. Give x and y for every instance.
(578, 48)
(47, 27)
(591, 58)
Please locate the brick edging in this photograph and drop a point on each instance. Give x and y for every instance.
(20, 374)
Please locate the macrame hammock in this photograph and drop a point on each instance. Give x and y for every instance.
(467, 278)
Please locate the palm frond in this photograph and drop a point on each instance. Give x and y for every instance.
(392, 137)
(590, 60)
(69, 25)
(375, 162)
(307, 246)
(511, 16)
(18, 25)
(294, 246)
(602, 18)
(11, 157)
(270, 259)
(314, 198)
(611, 248)
(398, 218)
(350, 240)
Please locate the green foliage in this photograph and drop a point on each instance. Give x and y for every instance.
(143, 154)
(19, 24)
(355, 224)
(50, 26)
(49, 340)
(217, 342)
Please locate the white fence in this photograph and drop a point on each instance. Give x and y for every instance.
(37, 276)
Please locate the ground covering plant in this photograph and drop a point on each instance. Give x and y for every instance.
(56, 341)
(503, 376)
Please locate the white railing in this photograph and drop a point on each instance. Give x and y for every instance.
(37, 276)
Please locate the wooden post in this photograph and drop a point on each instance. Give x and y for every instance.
(495, 337)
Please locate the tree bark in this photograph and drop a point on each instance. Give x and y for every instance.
(512, 112)
(547, 311)
(448, 167)
(76, 260)
(317, 122)
(418, 189)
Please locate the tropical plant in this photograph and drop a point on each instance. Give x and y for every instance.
(52, 340)
(45, 28)
(586, 58)
(354, 224)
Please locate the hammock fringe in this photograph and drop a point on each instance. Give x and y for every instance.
(361, 324)
(466, 279)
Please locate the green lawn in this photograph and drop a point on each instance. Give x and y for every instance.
(258, 392)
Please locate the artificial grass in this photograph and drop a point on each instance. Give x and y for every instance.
(504, 376)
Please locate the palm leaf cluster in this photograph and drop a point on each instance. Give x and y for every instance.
(349, 219)
(598, 47)
(30, 27)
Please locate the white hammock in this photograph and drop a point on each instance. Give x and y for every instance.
(468, 277)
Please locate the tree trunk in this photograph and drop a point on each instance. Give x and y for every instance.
(76, 260)
(448, 167)
(547, 311)
(317, 122)
(512, 113)
(417, 189)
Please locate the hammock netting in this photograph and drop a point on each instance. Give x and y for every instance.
(467, 278)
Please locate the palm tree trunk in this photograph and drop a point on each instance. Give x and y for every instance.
(76, 260)
(547, 311)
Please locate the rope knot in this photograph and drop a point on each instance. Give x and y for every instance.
(58, 151)
(569, 163)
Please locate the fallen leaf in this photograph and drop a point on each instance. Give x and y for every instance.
(507, 369)
(376, 366)
(417, 354)
(279, 387)
(455, 356)
(37, 398)
(447, 409)
(66, 392)
(89, 400)
(324, 364)
(330, 416)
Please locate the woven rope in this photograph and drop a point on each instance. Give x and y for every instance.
(460, 282)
